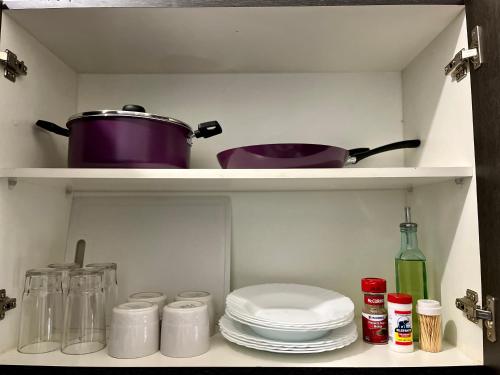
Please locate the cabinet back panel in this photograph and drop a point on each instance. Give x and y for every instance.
(348, 110)
(48, 92)
(329, 239)
(166, 244)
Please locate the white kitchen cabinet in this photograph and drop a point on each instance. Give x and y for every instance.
(353, 76)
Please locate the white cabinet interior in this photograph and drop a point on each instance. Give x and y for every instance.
(348, 76)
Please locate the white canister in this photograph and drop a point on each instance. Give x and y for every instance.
(156, 298)
(429, 316)
(399, 316)
(185, 329)
(135, 330)
(204, 297)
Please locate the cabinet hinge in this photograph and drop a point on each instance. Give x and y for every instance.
(12, 66)
(474, 312)
(458, 67)
(6, 303)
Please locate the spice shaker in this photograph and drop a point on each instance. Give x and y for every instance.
(429, 317)
(399, 308)
(374, 315)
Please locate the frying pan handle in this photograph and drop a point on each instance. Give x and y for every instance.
(414, 143)
(208, 129)
(53, 128)
(355, 151)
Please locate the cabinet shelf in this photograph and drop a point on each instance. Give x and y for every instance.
(190, 180)
(222, 353)
(254, 39)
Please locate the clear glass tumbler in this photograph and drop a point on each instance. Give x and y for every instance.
(84, 318)
(64, 268)
(110, 285)
(41, 312)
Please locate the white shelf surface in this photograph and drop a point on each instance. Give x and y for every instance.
(150, 180)
(223, 353)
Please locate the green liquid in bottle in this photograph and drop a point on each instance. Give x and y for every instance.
(411, 274)
(411, 278)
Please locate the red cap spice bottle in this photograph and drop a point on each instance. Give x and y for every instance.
(374, 312)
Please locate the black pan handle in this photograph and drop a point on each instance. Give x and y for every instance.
(414, 143)
(355, 151)
(208, 129)
(53, 128)
(133, 108)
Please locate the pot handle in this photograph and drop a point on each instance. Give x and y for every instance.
(53, 128)
(208, 129)
(413, 143)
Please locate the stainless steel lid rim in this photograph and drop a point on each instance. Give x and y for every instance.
(117, 113)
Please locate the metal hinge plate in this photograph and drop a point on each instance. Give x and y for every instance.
(6, 303)
(458, 67)
(474, 312)
(12, 66)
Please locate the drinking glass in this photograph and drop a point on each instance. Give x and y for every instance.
(110, 285)
(64, 268)
(41, 312)
(84, 318)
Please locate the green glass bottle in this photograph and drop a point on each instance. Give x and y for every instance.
(411, 275)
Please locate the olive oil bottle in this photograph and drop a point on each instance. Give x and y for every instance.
(411, 274)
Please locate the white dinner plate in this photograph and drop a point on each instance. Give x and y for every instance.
(290, 304)
(244, 333)
(290, 350)
(288, 335)
(291, 327)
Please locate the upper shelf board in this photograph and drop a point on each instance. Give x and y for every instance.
(188, 180)
(237, 39)
(46, 4)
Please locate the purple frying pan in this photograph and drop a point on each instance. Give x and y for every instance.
(300, 155)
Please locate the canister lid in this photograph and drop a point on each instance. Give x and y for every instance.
(399, 298)
(373, 285)
(428, 307)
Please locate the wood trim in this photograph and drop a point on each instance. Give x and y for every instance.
(41, 4)
(485, 86)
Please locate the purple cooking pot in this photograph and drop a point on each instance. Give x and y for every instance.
(130, 138)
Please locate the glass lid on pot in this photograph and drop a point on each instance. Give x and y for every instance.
(129, 110)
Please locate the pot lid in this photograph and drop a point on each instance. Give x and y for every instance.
(130, 110)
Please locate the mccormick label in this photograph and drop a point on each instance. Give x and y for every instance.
(375, 328)
(374, 299)
(400, 328)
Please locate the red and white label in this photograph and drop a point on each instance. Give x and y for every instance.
(375, 328)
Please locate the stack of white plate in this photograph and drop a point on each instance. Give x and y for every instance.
(288, 318)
